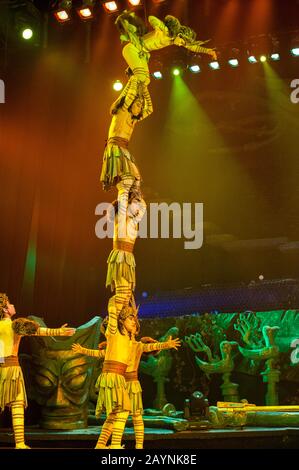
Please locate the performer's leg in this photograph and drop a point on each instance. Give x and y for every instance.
(138, 429)
(106, 431)
(17, 412)
(123, 189)
(123, 293)
(118, 429)
(137, 64)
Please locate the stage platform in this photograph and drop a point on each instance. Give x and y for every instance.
(246, 438)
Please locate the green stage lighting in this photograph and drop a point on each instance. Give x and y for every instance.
(295, 51)
(176, 72)
(27, 33)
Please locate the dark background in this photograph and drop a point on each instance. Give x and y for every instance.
(230, 142)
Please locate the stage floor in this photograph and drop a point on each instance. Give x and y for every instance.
(246, 438)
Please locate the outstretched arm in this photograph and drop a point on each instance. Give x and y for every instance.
(62, 331)
(77, 348)
(197, 48)
(170, 344)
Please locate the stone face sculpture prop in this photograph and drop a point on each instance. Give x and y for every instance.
(59, 379)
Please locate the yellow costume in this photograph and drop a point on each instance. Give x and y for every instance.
(137, 51)
(113, 396)
(133, 384)
(12, 386)
(118, 163)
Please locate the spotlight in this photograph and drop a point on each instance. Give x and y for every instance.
(194, 68)
(275, 56)
(63, 12)
(214, 65)
(233, 62)
(117, 85)
(157, 75)
(295, 51)
(134, 3)
(176, 72)
(27, 21)
(263, 58)
(144, 294)
(110, 7)
(86, 10)
(27, 33)
(252, 59)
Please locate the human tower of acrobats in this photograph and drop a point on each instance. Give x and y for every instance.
(120, 392)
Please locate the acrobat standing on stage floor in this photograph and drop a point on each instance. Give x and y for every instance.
(132, 382)
(113, 396)
(12, 386)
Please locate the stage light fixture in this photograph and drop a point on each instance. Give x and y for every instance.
(63, 12)
(27, 21)
(158, 75)
(263, 58)
(110, 7)
(295, 51)
(117, 85)
(134, 3)
(233, 62)
(86, 10)
(275, 56)
(252, 59)
(194, 68)
(214, 65)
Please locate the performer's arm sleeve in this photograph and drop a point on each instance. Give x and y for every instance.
(131, 92)
(52, 332)
(112, 319)
(197, 48)
(149, 347)
(127, 96)
(92, 352)
(148, 105)
(141, 213)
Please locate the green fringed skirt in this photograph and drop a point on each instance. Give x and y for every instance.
(117, 163)
(12, 386)
(135, 395)
(120, 264)
(113, 394)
